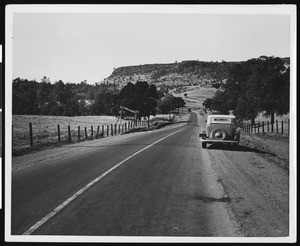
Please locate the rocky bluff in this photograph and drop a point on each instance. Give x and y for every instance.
(174, 74)
(185, 73)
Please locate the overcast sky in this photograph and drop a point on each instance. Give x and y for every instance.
(87, 46)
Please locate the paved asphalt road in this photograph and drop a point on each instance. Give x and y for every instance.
(164, 190)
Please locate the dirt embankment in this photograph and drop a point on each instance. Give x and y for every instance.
(273, 148)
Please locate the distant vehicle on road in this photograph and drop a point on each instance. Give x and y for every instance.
(220, 129)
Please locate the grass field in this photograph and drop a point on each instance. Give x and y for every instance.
(45, 130)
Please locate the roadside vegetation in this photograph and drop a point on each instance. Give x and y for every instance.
(68, 99)
(255, 86)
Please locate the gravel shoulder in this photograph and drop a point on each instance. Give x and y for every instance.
(255, 178)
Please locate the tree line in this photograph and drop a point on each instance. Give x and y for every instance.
(255, 86)
(68, 99)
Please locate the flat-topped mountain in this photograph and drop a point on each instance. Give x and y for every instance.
(185, 73)
(182, 73)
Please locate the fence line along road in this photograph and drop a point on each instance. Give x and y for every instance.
(76, 135)
(73, 134)
(278, 127)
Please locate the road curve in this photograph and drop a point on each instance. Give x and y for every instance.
(162, 187)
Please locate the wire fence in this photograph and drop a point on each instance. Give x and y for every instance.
(278, 127)
(34, 135)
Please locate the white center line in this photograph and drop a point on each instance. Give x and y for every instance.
(70, 199)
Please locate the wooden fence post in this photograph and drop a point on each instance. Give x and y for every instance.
(78, 133)
(92, 131)
(102, 131)
(69, 133)
(258, 127)
(268, 126)
(58, 133)
(111, 129)
(281, 127)
(98, 129)
(115, 129)
(272, 127)
(276, 126)
(107, 130)
(122, 128)
(86, 136)
(30, 134)
(263, 127)
(125, 126)
(119, 130)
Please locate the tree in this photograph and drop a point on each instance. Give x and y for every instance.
(140, 96)
(207, 103)
(257, 85)
(106, 104)
(274, 81)
(66, 99)
(169, 103)
(24, 97)
(44, 93)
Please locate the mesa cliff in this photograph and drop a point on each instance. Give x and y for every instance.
(185, 73)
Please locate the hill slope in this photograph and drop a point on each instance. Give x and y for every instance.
(185, 73)
(173, 74)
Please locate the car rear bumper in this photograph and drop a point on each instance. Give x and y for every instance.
(207, 140)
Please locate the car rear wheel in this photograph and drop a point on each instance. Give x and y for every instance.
(219, 134)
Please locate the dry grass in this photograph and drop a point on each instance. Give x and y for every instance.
(45, 130)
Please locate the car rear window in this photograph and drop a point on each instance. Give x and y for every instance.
(220, 120)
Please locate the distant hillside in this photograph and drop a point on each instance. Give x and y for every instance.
(185, 73)
(175, 74)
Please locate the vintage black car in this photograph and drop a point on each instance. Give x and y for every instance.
(220, 129)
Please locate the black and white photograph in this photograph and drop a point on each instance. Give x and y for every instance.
(150, 123)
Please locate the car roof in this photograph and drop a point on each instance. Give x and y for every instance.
(221, 115)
